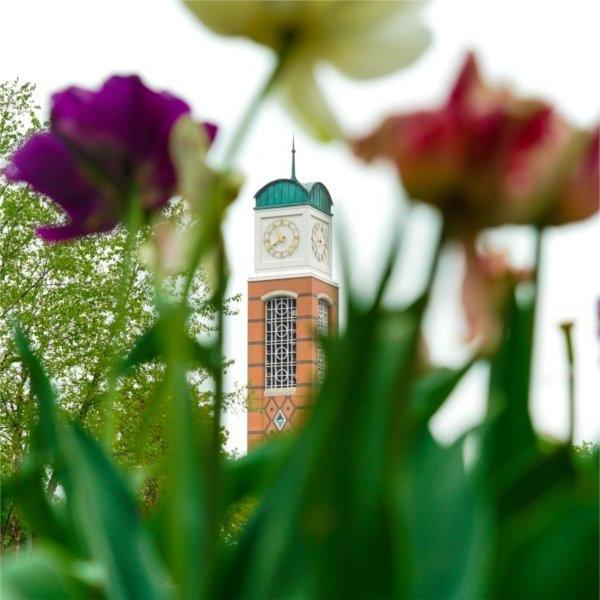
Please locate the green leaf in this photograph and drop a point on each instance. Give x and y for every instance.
(544, 505)
(432, 390)
(43, 391)
(526, 479)
(331, 499)
(149, 347)
(28, 490)
(28, 486)
(252, 473)
(550, 550)
(185, 516)
(182, 518)
(145, 349)
(105, 513)
(447, 521)
(41, 576)
(508, 432)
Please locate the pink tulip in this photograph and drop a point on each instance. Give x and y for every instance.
(487, 158)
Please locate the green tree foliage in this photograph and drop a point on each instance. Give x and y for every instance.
(587, 449)
(63, 297)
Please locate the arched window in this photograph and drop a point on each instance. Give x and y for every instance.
(280, 342)
(323, 326)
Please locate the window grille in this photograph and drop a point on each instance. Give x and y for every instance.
(323, 326)
(280, 343)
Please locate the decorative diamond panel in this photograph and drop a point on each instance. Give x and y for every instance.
(271, 408)
(279, 420)
(287, 407)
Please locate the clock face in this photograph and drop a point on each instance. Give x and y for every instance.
(281, 238)
(319, 241)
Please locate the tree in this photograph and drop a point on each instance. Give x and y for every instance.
(63, 296)
(587, 450)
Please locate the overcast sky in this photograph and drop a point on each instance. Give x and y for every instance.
(545, 48)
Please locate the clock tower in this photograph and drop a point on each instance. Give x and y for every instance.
(291, 297)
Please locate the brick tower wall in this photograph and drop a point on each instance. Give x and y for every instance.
(263, 405)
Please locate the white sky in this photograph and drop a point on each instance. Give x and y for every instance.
(544, 48)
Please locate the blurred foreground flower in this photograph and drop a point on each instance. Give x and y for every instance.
(487, 158)
(172, 245)
(484, 159)
(361, 39)
(105, 150)
(487, 286)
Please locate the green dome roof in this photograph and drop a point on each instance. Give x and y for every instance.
(290, 192)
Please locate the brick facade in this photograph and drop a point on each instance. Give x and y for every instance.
(263, 405)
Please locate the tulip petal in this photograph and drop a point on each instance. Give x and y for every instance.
(488, 282)
(210, 130)
(123, 125)
(107, 149)
(362, 39)
(45, 163)
(254, 19)
(487, 158)
(188, 147)
(302, 97)
(581, 197)
(371, 39)
(72, 230)
(123, 115)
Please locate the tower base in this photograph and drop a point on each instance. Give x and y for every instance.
(274, 410)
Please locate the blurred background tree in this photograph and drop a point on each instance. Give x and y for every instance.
(63, 296)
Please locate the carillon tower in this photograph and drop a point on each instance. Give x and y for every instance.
(290, 297)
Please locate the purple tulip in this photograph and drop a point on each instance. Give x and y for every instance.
(105, 149)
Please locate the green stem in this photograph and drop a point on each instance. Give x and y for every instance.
(409, 374)
(567, 329)
(210, 237)
(537, 263)
(214, 462)
(107, 408)
(537, 269)
(205, 235)
(423, 300)
(244, 126)
(399, 434)
(217, 188)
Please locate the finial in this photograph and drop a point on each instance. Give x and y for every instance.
(293, 158)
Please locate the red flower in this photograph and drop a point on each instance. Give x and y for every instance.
(486, 158)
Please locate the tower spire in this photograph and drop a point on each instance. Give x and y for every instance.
(293, 158)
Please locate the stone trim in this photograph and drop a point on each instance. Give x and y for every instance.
(280, 392)
(299, 295)
(262, 387)
(319, 276)
(275, 293)
(322, 296)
